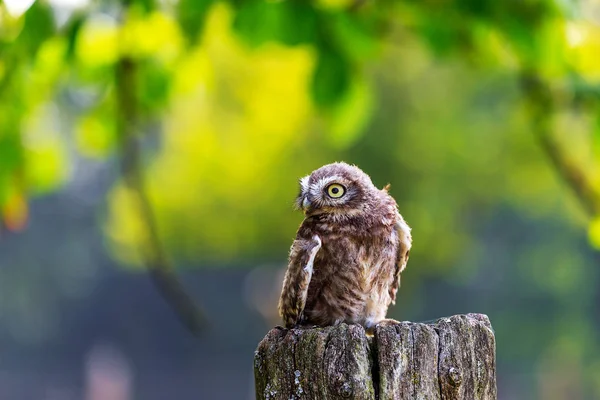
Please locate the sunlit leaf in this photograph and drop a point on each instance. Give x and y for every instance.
(583, 39)
(47, 68)
(594, 232)
(491, 49)
(16, 8)
(550, 53)
(46, 167)
(97, 41)
(596, 135)
(336, 5)
(347, 119)
(95, 135)
(126, 241)
(44, 155)
(155, 35)
(10, 27)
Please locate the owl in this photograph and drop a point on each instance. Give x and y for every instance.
(349, 251)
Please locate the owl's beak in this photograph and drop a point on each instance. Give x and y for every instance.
(305, 203)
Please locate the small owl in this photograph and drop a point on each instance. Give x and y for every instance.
(345, 263)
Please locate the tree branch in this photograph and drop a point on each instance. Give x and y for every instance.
(153, 253)
(542, 104)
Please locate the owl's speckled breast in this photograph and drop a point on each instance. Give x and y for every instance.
(351, 276)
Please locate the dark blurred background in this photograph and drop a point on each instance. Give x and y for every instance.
(150, 152)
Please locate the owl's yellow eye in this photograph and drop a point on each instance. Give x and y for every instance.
(335, 191)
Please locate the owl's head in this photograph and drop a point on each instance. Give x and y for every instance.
(337, 188)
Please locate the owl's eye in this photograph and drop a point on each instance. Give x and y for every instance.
(335, 191)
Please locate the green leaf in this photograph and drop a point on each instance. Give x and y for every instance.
(153, 85)
(45, 167)
(481, 8)
(255, 21)
(191, 15)
(11, 151)
(594, 232)
(4, 182)
(38, 26)
(298, 23)
(520, 35)
(441, 33)
(354, 36)
(331, 78)
(146, 5)
(596, 135)
(347, 119)
(95, 133)
(289, 22)
(72, 33)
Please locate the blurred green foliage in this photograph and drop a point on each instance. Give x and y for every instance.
(290, 75)
(470, 108)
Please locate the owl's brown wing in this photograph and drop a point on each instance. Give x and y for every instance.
(297, 278)
(404, 243)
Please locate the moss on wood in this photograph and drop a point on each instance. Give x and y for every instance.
(452, 358)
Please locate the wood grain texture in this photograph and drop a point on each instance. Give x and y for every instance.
(452, 358)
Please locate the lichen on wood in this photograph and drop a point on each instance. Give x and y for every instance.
(452, 358)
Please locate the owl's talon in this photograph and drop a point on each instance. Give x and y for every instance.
(388, 322)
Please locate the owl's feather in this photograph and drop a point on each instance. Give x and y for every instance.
(297, 279)
(401, 229)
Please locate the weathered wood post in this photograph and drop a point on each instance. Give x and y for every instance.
(452, 358)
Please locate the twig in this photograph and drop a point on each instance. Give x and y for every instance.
(154, 256)
(542, 105)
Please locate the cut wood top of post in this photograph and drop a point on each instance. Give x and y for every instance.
(450, 358)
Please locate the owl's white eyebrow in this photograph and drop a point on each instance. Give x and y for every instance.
(321, 183)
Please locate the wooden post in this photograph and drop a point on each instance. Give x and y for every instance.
(452, 358)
